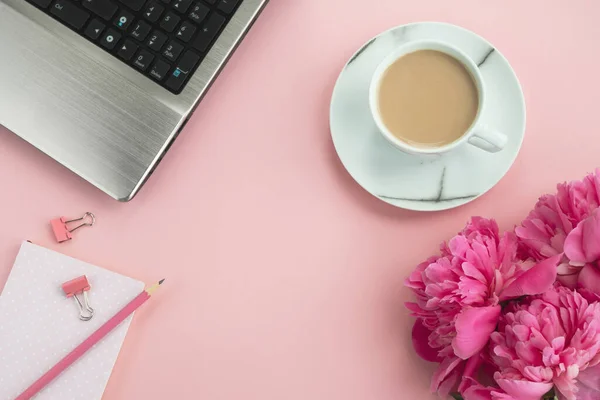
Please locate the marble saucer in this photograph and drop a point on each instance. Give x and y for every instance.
(441, 182)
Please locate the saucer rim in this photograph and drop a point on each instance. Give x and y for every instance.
(442, 207)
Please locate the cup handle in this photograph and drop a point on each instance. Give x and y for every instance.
(488, 139)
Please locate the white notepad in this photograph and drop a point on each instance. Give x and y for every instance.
(39, 325)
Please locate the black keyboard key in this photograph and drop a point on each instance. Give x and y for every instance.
(208, 32)
(104, 8)
(173, 50)
(127, 50)
(211, 1)
(159, 70)
(199, 12)
(94, 29)
(69, 13)
(157, 40)
(142, 60)
(184, 68)
(135, 5)
(186, 31)
(166, 1)
(140, 31)
(109, 39)
(188, 62)
(41, 3)
(123, 20)
(170, 21)
(182, 5)
(227, 6)
(176, 80)
(153, 12)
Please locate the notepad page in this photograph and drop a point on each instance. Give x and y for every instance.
(39, 325)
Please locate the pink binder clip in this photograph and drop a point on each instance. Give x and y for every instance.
(62, 231)
(80, 286)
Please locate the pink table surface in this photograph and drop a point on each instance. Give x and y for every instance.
(284, 276)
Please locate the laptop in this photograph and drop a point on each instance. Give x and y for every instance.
(105, 86)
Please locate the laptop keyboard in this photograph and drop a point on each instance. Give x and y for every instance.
(165, 40)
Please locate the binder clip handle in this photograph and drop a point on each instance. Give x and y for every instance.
(81, 286)
(88, 218)
(86, 312)
(61, 229)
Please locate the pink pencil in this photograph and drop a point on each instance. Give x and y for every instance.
(88, 343)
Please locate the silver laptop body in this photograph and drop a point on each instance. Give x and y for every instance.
(88, 110)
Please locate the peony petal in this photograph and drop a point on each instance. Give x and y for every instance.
(480, 392)
(449, 384)
(438, 273)
(585, 393)
(582, 245)
(420, 340)
(444, 373)
(502, 396)
(472, 271)
(591, 236)
(474, 326)
(574, 245)
(471, 368)
(589, 296)
(591, 379)
(530, 231)
(534, 281)
(477, 392)
(569, 281)
(589, 278)
(565, 383)
(524, 390)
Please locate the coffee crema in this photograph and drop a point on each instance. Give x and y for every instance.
(428, 99)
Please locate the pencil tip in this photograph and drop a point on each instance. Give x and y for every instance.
(161, 281)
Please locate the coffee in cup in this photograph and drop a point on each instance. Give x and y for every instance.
(427, 97)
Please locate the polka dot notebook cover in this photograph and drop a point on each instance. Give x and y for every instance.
(39, 325)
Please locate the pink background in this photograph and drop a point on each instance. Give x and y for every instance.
(285, 277)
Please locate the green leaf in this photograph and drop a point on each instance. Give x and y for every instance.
(457, 396)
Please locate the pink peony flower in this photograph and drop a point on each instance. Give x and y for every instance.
(550, 340)
(458, 296)
(544, 231)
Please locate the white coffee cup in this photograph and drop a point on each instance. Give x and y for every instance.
(478, 134)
